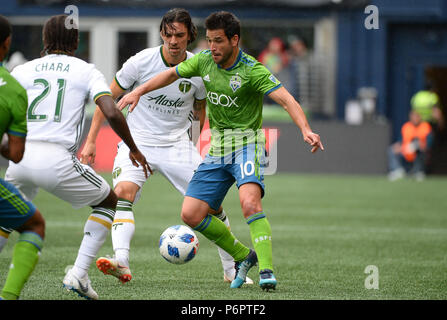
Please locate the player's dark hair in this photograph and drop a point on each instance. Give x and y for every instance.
(226, 21)
(57, 38)
(5, 29)
(181, 16)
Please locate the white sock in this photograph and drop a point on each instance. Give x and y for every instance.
(4, 235)
(123, 229)
(225, 257)
(96, 230)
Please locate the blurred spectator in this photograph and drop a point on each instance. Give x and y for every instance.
(299, 67)
(275, 56)
(202, 44)
(276, 59)
(306, 74)
(409, 154)
(426, 103)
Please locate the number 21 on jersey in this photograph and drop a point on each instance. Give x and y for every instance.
(61, 84)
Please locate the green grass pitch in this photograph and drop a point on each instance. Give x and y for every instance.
(326, 230)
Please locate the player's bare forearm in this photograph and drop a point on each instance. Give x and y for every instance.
(98, 117)
(288, 102)
(116, 120)
(159, 81)
(97, 121)
(13, 148)
(199, 112)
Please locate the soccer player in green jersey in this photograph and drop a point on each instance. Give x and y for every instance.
(16, 212)
(236, 84)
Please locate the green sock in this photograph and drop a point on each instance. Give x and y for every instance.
(216, 231)
(24, 259)
(261, 236)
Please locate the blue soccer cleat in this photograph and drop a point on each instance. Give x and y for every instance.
(242, 269)
(267, 280)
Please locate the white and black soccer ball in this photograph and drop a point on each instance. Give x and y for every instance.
(178, 244)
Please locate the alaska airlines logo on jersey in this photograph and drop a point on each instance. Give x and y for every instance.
(2, 82)
(164, 101)
(221, 100)
(184, 86)
(235, 82)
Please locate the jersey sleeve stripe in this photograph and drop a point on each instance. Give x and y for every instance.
(274, 88)
(16, 133)
(119, 84)
(100, 94)
(178, 73)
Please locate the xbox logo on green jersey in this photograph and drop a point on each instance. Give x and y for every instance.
(184, 86)
(222, 99)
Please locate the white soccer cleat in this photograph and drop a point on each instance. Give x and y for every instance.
(111, 266)
(229, 276)
(81, 286)
(396, 174)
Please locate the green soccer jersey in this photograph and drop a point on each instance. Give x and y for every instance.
(13, 105)
(234, 98)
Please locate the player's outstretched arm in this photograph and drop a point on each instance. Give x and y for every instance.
(88, 152)
(119, 125)
(13, 147)
(288, 102)
(159, 81)
(199, 112)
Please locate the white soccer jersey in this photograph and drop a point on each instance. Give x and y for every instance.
(58, 88)
(162, 117)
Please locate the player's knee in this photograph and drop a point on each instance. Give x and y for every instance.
(109, 202)
(188, 218)
(126, 191)
(40, 224)
(250, 205)
(35, 224)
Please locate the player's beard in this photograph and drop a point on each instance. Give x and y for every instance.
(224, 57)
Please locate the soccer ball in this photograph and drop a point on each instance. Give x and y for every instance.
(178, 244)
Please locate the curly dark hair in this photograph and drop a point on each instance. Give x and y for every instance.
(5, 28)
(57, 38)
(226, 21)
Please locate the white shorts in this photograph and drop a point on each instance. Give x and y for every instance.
(177, 163)
(53, 168)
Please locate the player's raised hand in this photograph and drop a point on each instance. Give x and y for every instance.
(88, 153)
(138, 159)
(131, 99)
(314, 140)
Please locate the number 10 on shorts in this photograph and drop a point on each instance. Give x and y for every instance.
(247, 169)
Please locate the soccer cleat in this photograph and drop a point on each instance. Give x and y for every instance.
(229, 276)
(267, 280)
(396, 174)
(111, 266)
(81, 286)
(242, 269)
